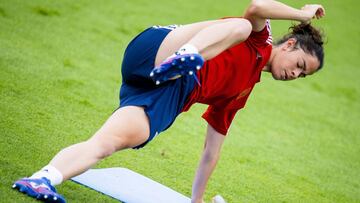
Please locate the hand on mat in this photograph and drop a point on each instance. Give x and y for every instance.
(218, 199)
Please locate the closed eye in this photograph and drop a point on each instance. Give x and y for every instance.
(302, 75)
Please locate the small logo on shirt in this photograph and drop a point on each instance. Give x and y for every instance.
(243, 93)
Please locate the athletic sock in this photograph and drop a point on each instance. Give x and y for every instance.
(51, 173)
(186, 49)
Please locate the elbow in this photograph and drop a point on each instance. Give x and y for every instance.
(211, 156)
(255, 7)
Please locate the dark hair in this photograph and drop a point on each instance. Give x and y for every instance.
(309, 38)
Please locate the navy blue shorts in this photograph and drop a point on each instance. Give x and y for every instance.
(162, 103)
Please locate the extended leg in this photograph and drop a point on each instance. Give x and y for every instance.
(127, 127)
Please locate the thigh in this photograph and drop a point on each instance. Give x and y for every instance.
(127, 127)
(139, 57)
(178, 37)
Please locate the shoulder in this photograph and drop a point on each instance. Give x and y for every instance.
(262, 37)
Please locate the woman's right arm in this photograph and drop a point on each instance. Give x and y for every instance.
(210, 156)
(260, 10)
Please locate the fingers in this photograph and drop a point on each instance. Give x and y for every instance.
(314, 11)
(320, 12)
(218, 199)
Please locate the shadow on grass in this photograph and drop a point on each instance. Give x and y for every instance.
(2, 12)
(46, 11)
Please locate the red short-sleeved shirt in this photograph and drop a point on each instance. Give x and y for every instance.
(227, 79)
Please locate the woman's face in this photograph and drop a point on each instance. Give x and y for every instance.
(288, 63)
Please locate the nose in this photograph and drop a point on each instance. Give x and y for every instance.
(296, 73)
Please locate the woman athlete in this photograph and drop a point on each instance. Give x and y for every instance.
(230, 53)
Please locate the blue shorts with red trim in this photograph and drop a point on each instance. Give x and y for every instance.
(162, 103)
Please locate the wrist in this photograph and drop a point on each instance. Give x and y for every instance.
(304, 16)
(198, 200)
(196, 197)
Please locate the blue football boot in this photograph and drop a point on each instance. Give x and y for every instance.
(177, 66)
(39, 188)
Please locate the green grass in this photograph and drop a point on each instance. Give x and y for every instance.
(60, 76)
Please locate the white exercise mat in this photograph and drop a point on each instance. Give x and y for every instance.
(129, 186)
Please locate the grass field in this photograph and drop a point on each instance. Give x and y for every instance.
(59, 80)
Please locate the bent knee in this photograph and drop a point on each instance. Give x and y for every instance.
(102, 148)
(241, 28)
(106, 145)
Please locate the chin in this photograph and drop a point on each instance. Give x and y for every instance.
(275, 76)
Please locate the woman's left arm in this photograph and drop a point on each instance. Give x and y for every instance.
(260, 10)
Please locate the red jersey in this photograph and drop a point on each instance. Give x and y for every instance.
(228, 79)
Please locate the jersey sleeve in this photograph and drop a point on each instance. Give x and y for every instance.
(219, 119)
(263, 37)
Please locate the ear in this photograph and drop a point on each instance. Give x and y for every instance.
(289, 44)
